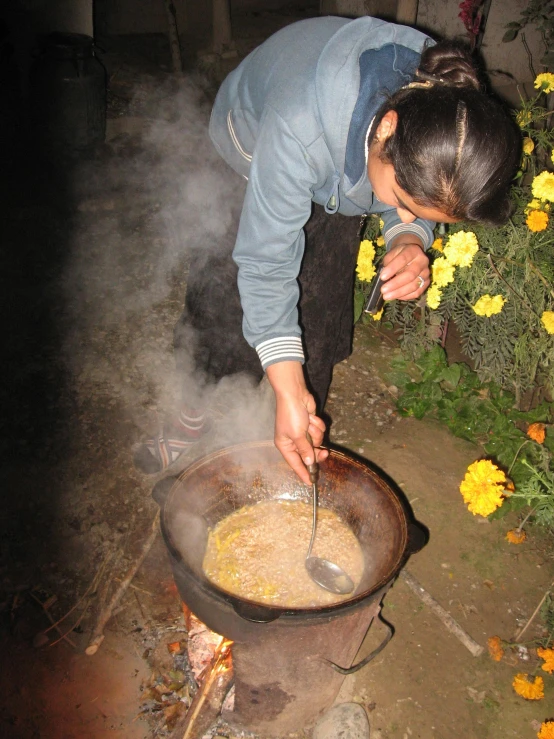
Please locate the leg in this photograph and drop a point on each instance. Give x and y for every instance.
(327, 296)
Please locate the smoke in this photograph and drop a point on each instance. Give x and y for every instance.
(160, 196)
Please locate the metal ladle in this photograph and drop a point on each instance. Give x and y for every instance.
(326, 574)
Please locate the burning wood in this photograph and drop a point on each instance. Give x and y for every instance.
(214, 683)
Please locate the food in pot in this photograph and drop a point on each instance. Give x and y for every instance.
(258, 553)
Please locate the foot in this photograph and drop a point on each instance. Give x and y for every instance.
(172, 441)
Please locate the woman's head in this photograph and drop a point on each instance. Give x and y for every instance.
(452, 147)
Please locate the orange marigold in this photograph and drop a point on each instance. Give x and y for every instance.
(547, 730)
(515, 536)
(537, 220)
(548, 656)
(537, 432)
(496, 650)
(531, 691)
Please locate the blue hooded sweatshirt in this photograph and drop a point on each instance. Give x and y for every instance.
(294, 118)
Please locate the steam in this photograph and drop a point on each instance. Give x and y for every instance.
(140, 217)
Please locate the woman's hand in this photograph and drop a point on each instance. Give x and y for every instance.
(295, 418)
(406, 272)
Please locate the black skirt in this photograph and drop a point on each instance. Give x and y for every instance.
(211, 324)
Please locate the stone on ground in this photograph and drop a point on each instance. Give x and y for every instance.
(345, 721)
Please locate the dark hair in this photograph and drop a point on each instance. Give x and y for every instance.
(454, 147)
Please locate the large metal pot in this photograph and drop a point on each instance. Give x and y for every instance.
(220, 483)
(289, 663)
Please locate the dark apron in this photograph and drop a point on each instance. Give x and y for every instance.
(214, 312)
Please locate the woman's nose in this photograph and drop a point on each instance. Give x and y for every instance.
(405, 215)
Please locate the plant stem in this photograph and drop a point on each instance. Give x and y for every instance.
(497, 273)
(523, 443)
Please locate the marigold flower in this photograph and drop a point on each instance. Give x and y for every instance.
(516, 537)
(365, 268)
(380, 241)
(547, 320)
(437, 245)
(496, 650)
(547, 730)
(528, 145)
(537, 220)
(544, 82)
(433, 297)
(377, 316)
(489, 305)
(443, 272)
(482, 487)
(531, 691)
(548, 656)
(523, 118)
(537, 432)
(461, 248)
(543, 186)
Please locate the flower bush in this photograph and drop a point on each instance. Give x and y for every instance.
(495, 287)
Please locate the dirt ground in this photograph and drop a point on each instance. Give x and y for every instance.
(95, 264)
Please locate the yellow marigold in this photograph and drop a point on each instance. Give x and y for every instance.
(537, 220)
(537, 432)
(433, 297)
(496, 650)
(437, 245)
(528, 145)
(547, 730)
(443, 272)
(377, 316)
(523, 118)
(548, 656)
(489, 305)
(482, 487)
(547, 320)
(516, 537)
(461, 248)
(365, 268)
(545, 82)
(543, 186)
(531, 691)
(380, 241)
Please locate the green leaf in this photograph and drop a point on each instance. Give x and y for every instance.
(510, 35)
(449, 377)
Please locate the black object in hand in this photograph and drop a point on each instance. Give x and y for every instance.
(375, 300)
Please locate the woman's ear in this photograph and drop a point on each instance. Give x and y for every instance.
(387, 126)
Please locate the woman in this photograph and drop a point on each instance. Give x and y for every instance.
(331, 118)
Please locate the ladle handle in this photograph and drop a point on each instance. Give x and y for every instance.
(313, 468)
(313, 471)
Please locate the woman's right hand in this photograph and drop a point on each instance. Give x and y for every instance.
(295, 418)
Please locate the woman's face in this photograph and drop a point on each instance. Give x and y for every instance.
(383, 180)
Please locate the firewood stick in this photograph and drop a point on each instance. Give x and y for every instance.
(55, 625)
(206, 704)
(106, 613)
(451, 624)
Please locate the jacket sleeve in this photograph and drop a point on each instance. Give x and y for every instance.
(270, 241)
(393, 226)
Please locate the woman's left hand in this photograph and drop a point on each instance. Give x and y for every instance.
(406, 271)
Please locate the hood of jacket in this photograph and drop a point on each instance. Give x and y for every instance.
(345, 110)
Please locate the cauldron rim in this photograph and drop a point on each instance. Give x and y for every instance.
(262, 612)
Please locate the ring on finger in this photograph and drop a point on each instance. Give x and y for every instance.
(420, 281)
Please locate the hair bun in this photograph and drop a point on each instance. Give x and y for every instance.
(448, 63)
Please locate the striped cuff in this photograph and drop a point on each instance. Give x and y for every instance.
(412, 228)
(281, 349)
